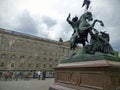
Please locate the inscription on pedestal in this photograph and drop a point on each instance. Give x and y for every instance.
(63, 77)
(85, 79)
(92, 80)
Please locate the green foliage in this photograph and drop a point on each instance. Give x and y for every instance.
(116, 53)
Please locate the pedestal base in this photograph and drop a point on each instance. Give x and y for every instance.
(88, 75)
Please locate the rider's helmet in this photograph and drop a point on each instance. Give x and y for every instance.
(75, 19)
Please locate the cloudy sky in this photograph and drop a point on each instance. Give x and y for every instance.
(47, 18)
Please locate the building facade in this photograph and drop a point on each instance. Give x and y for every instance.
(23, 52)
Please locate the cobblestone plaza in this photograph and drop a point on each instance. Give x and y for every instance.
(32, 84)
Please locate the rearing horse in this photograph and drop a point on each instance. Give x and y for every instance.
(82, 30)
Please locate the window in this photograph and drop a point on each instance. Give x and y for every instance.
(50, 53)
(44, 52)
(5, 47)
(14, 48)
(21, 64)
(50, 66)
(22, 59)
(29, 65)
(3, 56)
(37, 65)
(44, 65)
(38, 50)
(12, 64)
(56, 61)
(13, 56)
(30, 58)
(2, 64)
(50, 60)
(44, 60)
(37, 59)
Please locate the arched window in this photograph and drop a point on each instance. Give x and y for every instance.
(56, 61)
(50, 60)
(30, 65)
(5, 47)
(44, 60)
(22, 59)
(30, 58)
(13, 57)
(14, 48)
(21, 64)
(2, 64)
(12, 65)
(37, 59)
(44, 65)
(3, 56)
(37, 65)
(50, 66)
(44, 52)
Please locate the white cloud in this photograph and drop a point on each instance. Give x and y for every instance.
(48, 17)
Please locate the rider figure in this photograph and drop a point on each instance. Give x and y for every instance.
(81, 28)
(73, 23)
(75, 34)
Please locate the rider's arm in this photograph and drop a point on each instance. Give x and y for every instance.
(68, 20)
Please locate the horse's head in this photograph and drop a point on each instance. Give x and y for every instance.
(88, 16)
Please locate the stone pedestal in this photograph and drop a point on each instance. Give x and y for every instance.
(87, 75)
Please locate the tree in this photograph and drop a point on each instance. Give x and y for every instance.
(116, 54)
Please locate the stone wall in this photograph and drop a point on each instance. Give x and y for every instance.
(21, 51)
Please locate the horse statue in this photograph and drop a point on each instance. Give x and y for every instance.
(81, 29)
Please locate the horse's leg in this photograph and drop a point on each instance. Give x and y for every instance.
(71, 43)
(75, 41)
(83, 43)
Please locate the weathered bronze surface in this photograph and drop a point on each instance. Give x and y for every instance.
(99, 40)
(95, 67)
(81, 56)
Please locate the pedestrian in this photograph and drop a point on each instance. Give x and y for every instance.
(0, 74)
(34, 74)
(39, 73)
(43, 74)
(16, 76)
